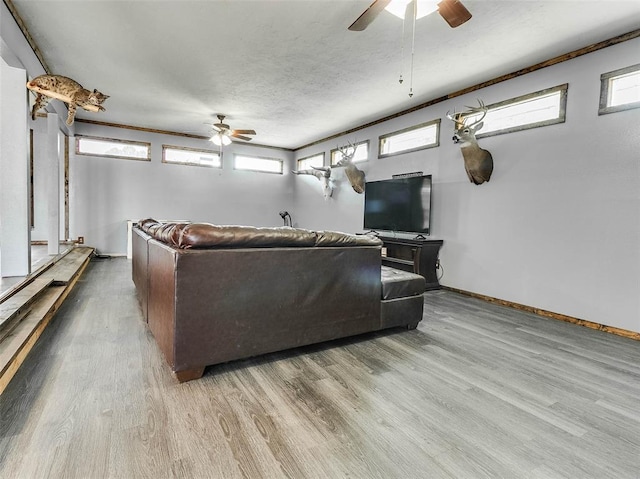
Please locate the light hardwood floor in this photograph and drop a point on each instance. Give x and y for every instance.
(39, 257)
(478, 390)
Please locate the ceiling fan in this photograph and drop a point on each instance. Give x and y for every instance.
(224, 135)
(454, 13)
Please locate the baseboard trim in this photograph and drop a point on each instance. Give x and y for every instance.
(46, 243)
(549, 314)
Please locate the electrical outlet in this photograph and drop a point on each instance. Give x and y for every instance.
(80, 239)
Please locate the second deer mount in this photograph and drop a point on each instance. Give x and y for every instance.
(355, 176)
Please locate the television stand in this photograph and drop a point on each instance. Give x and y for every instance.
(418, 256)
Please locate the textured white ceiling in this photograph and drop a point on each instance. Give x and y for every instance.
(290, 69)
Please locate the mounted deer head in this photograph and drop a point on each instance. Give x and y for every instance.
(477, 162)
(355, 176)
(324, 175)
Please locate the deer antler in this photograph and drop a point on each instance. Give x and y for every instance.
(472, 110)
(347, 152)
(323, 171)
(455, 118)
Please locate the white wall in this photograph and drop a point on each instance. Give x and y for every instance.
(557, 227)
(106, 192)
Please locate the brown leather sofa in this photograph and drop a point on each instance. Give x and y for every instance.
(212, 294)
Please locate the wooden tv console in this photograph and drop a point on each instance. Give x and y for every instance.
(418, 256)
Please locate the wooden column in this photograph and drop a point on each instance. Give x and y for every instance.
(52, 172)
(15, 249)
(66, 187)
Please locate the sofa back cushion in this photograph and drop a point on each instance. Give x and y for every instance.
(205, 235)
(335, 238)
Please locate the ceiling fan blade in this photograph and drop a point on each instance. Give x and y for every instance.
(240, 137)
(369, 15)
(244, 132)
(454, 12)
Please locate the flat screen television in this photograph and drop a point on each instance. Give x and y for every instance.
(398, 204)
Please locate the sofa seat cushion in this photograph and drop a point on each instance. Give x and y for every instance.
(400, 284)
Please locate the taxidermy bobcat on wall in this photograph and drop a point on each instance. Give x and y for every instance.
(67, 90)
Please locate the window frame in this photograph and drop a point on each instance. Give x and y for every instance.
(605, 84)
(236, 155)
(300, 160)
(334, 150)
(186, 148)
(381, 138)
(562, 112)
(113, 140)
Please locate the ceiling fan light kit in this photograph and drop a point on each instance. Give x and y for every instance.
(220, 140)
(423, 8)
(223, 134)
(453, 11)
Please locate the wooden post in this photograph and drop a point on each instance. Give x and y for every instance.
(52, 172)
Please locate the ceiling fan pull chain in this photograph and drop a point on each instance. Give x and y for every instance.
(413, 46)
(402, 53)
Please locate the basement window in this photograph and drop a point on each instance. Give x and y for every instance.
(112, 148)
(414, 138)
(620, 90)
(541, 108)
(190, 156)
(254, 163)
(361, 153)
(308, 162)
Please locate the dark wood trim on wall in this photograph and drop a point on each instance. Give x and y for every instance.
(66, 187)
(167, 132)
(538, 66)
(45, 243)
(32, 213)
(139, 128)
(549, 314)
(27, 35)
